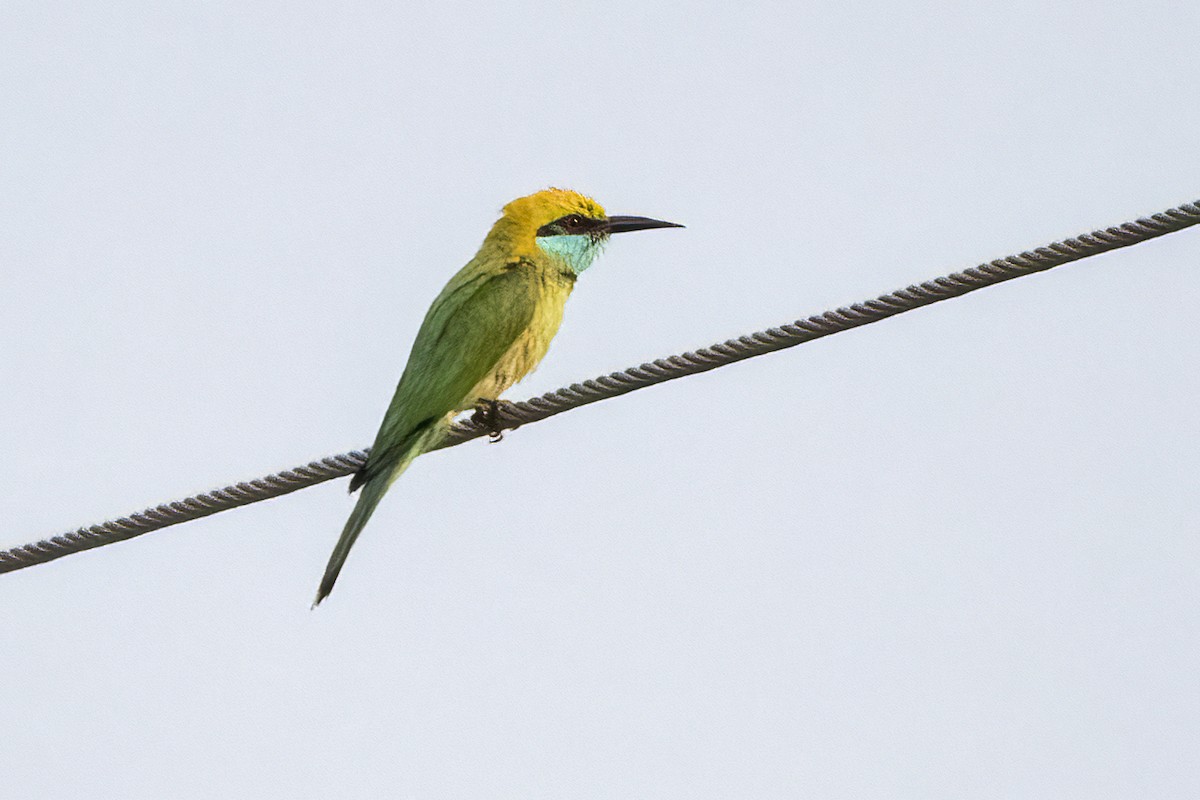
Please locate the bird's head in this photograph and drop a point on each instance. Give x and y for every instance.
(569, 227)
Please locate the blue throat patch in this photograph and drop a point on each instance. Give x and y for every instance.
(577, 251)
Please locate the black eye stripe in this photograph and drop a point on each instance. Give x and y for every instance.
(570, 224)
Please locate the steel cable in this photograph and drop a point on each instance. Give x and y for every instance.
(512, 415)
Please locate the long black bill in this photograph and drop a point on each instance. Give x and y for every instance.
(626, 224)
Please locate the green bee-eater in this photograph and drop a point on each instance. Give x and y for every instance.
(488, 328)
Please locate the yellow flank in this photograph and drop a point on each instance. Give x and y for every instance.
(490, 326)
(524, 354)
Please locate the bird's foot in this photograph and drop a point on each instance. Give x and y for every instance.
(487, 416)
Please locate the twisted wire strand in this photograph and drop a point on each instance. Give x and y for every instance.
(512, 415)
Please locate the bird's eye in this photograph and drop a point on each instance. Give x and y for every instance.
(573, 221)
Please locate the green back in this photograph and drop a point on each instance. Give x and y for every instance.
(470, 326)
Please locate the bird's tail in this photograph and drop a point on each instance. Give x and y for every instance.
(372, 492)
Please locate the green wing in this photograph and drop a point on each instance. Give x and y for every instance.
(469, 327)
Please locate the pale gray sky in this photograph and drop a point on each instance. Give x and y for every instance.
(950, 555)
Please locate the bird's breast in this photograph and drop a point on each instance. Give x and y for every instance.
(527, 351)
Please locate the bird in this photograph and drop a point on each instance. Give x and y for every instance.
(488, 328)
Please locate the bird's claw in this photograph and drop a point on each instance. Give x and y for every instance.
(487, 416)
